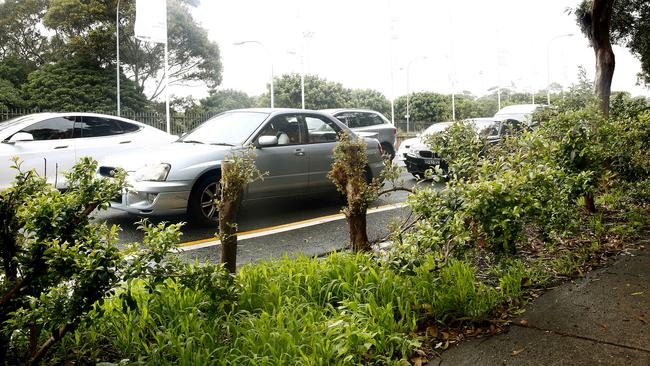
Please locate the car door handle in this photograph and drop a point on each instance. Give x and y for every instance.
(62, 147)
(125, 142)
(299, 152)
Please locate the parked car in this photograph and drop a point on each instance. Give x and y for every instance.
(405, 146)
(419, 156)
(519, 112)
(367, 121)
(51, 143)
(293, 147)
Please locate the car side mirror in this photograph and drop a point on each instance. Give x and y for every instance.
(266, 141)
(21, 136)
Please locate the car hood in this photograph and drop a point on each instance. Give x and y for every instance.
(409, 142)
(183, 158)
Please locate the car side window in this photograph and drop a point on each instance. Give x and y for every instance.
(369, 119)
(128, 127)
(348, 118)
(288, 129)
(492, 130)
(52, 129)
(321, 130)
(91, 126)
(510, 127)
(376, 120)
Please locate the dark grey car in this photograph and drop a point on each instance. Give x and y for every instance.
(368, 121)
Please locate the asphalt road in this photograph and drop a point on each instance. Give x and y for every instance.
(263, 219)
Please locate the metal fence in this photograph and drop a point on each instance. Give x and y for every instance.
(179, 122)
(183, 122)
(412, 126)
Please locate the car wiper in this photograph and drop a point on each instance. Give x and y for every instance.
(221, 144)
(192, 142)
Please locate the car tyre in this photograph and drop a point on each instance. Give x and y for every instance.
(388, 149)
(202, 207)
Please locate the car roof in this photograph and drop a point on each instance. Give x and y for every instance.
(339, 110)
(518, 108)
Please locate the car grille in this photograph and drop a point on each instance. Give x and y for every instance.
(427, 154)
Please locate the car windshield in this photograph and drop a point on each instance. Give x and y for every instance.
(482, 127)
(438, 127)
(230, 128)
(14, 121)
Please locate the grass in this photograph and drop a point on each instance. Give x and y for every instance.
(339, 310)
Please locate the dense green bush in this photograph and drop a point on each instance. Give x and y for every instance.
(343, 309)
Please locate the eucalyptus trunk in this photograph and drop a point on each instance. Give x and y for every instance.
(601, 15)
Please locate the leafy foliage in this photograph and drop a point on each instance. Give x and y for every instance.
(222, 100)
(58, 265)
(322, 94)
(629, 28)
(74, 85)
(39, 33)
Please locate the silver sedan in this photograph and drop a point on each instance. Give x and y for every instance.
(293, 147)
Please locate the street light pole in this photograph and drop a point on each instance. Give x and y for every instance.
(548, 65)
(408, 101)
(117, 28)
(270, 60)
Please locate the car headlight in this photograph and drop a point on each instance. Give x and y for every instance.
(413, 151)
(154, 173)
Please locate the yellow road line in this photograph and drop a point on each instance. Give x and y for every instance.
(208, 242)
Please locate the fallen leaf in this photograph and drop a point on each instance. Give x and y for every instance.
(524, 322)
(432, 331)
(637, 293)
(416, 361)
(517, 352)
(642, 319)
(604, 326)
(445, 335)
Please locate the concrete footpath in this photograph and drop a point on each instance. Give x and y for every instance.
(600, 319)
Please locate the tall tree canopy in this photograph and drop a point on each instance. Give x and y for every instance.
(223, 100)
(323, 94)
(630, 28)
(74, 85)
(43, 32)
(623, 22)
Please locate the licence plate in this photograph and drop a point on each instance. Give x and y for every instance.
(432, 161)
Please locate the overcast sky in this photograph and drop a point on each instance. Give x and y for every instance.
(476, 43)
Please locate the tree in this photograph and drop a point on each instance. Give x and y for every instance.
(237, 172)
(47, 31)
(222, 100)
(75, 85)
(21, 33)
(425, 107)
(630, 28)
(319, 93)
(595, 20)
(9, 96)
(369, 99)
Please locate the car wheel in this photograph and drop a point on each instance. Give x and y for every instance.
(202, 206)
(388, 149)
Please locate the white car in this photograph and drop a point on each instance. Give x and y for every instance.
(418, 141)
(418, 155)
(519, 112)
(51, 143)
